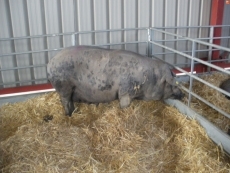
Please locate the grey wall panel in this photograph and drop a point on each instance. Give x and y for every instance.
(116, 22)
(53, 24)
(6, 46)
(130, 21)
(158, 16)
(144, 17)
(170, 20)
(194, 18)
(205, 12)
(21, 28)
(37, 27)
(85, 21)
(182, 20)
(39, 17)
(67, 17)
(101, 20)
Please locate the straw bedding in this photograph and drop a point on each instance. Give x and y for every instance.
(145, 137)
(214, 97)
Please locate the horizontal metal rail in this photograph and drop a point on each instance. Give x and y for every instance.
(175, 40)
(25, 81)
(23, 67)
(203, 81)
(192, 58)
(199, 79)
(207, 38)
(195, 40)
(206, 102)
(48, 50)
(28, 52)
(201, 50)
(71, 33)
(186, 27)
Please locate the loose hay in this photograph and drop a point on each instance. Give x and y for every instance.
(145, 137)
(214, 97)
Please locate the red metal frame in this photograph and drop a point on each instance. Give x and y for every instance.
(23, 89)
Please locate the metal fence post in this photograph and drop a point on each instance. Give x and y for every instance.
(149, 45)
(73, 39)
(211, 32)
(191, 71)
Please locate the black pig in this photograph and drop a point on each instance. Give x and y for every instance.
(96, 75)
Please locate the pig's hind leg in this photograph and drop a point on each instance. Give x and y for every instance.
(67, 103)
(66, 91)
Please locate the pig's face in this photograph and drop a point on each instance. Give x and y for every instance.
(225, 85)
(173, 92)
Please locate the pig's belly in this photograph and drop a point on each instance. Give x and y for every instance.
(91, 95)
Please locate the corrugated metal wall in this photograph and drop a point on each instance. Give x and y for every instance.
(39, 17)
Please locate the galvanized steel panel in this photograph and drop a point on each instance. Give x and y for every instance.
(67, 18)
(53, 25)
(101, 20)
(85, 21)
(144, 16)
(116, 22)
(39, 17)
(204, 20)
(170, 20)
(6, 46)
(182, 20)
(20, 28)
(158, 16)
(37, 27)
(130, 21)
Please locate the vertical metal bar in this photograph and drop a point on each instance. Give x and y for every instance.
(211, 32)
(123, 5)
(76, 20)
(176, 31)
(191, 71)
(93, 21)
(16, 72)
(60, 22)
(228, 44)
(73, 39)
(200, 24)
(188, 29)
(150, 13)
(137, 32)
(31, 59)
(149, 45)
(44, 29)
(108, 22)
(164, 22)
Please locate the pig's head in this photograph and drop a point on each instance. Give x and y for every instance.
(225, 85)
(171, 89)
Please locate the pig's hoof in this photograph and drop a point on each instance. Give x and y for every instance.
(125, 101)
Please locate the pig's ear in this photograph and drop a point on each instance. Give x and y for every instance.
(170, 77)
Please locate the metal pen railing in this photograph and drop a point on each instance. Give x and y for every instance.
(193, 59)
(150, 43)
